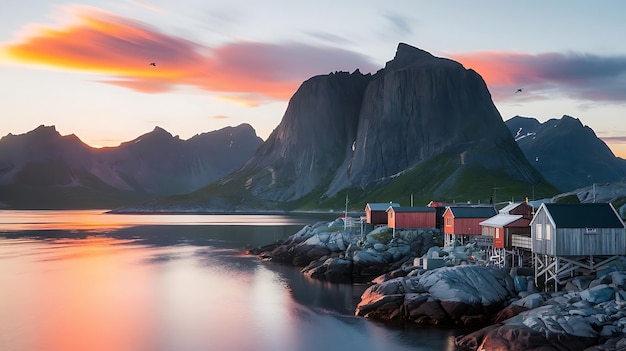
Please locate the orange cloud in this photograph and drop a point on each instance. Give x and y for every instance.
(496, 68)
(104, 43)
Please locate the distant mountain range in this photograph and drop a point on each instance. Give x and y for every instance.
(422, 128)
(42, 169)
(568, 154)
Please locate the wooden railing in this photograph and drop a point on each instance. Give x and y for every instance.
(521, 241)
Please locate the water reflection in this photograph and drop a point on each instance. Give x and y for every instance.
(100, 220)
(172, 287)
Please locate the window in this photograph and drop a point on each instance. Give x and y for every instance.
(448, 221)
(548, 232)
(497, 233)
(538, 234)
(591, 230)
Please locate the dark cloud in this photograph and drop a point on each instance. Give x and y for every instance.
(400, 23)
(330, 37)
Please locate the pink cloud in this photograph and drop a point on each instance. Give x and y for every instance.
(577, 76)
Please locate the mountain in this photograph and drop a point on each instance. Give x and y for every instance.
(312, 140)
(568, 154)
(160, 164)
(42, 169)
(422, 126)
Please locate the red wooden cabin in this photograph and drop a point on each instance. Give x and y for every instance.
(464, 221)
(503, 227)
(411, 217)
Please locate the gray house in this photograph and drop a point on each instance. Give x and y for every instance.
(578, 230)
(568, 239)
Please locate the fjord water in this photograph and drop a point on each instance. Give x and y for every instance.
(87, 280)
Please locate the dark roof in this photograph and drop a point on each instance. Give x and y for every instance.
(414, 209)
(600, 215)
(473, 212)
(380, 206)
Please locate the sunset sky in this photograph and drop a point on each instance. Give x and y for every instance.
(85, 66)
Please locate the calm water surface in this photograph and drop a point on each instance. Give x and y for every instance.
(87, 280)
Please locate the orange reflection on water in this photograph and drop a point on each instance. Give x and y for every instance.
(100, 220)
(98, 293)
(60, 220)
(67, 293)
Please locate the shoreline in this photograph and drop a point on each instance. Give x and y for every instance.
(584, 315)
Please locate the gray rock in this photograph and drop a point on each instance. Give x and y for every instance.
(579, 283)
(599, 293)
(531, 301)
(338, 270)
(619, 280)
(380, 247)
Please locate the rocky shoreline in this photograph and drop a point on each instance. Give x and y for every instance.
(501, 305)
(326, 251)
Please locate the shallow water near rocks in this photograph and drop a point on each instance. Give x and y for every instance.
(87, 280)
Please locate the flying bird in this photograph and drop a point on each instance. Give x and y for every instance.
(519, 90)
(153, 64)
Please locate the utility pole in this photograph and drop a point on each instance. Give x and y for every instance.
(495, 188)
(345, 216)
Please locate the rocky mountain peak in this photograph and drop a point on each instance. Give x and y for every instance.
(407, 55)
(44, 132)
(160, 132)
(571, 121)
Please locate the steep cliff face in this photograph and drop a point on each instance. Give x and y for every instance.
(567, 153)
(418, 107)
(359, 132)
(312, 140)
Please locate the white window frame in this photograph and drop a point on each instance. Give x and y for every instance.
(538, 231)
(548, 232)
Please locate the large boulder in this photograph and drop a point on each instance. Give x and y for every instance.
(460, 295)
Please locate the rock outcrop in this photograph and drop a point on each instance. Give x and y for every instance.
(325, 251)
(462, 296)
(593, 318)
